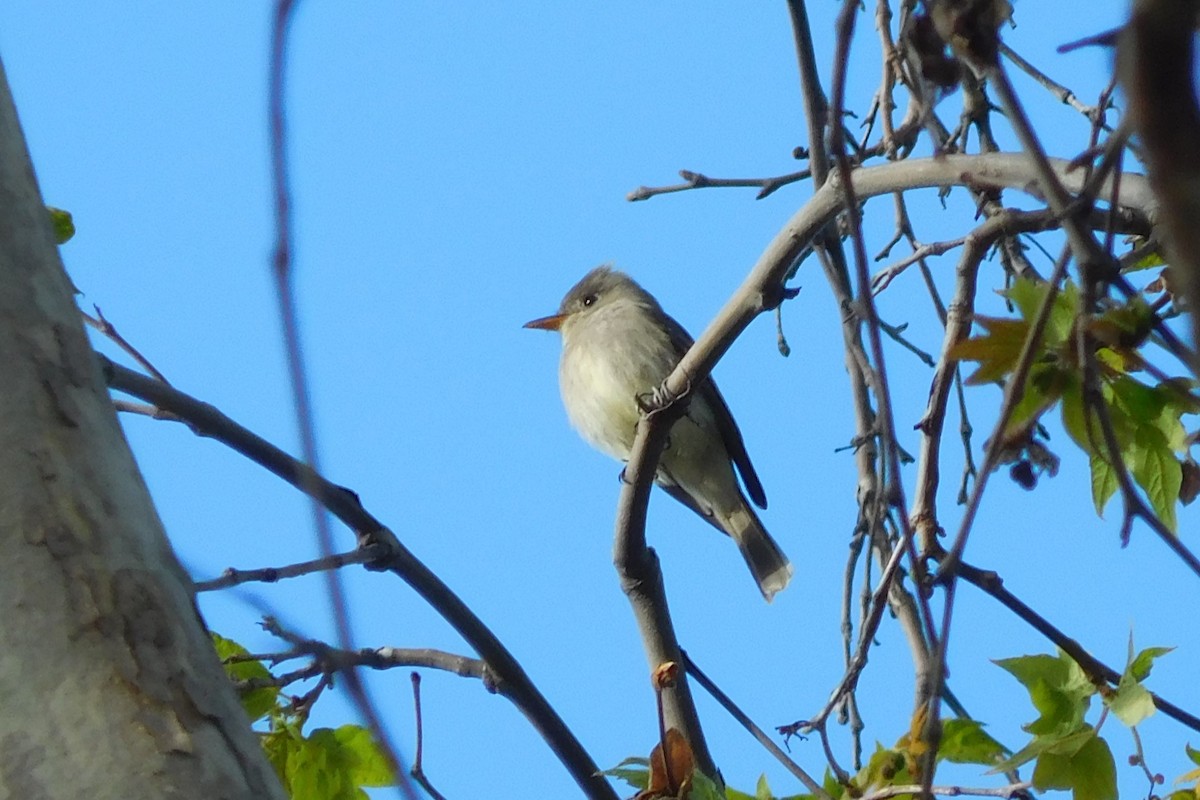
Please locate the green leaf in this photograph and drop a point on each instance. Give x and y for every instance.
(1023, 756)
(832, 786)
(1158, 471)
(1141, 402)
(1045, 385)
(278, 746)
(996, 351)
(1028, 297)
(1104, 483)
(965, 742)
(256, 702)
(1143, 662)
(703, 788)
(1193, 754)
(1083, 431)
(362, 758)
(1149, 261)
(886, 767)
(328, 764)
(1087, 769)
(634, 770)
(762, 790)
(1131, 702)
(62, 224)
(1059, 689)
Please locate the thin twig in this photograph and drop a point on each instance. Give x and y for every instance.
(697, 180)
(417, 771)
(758, 733)
(1064, 95)
(234, 577)
(101, 324)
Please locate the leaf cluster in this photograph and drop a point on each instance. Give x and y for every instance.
(320, 764)
(1067, 751)
(1145, 419)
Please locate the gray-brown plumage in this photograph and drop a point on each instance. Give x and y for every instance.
(618, 344)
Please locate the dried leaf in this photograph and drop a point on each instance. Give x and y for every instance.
(671, 777)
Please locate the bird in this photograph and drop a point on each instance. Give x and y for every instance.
(618, 345)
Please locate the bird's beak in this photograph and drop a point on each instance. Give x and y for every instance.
(551, 323)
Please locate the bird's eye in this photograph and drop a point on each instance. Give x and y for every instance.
(590, 300)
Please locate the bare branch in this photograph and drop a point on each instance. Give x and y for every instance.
(101, 324)
(696, 180)
(418, 771)
(758, 733)
(234, 577)
(991, 583)
(345, 505)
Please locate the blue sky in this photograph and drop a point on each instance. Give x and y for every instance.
(455, 170)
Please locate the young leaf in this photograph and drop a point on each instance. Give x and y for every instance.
(1143, 662)
(1149, 261)
(703, 788)
(1028, 297)
(634, 770)
(257, 702)
(1131, 702)
(1104, 483)
(1060, 691)
(62, 223)
(996, 351)
(1087, 769)
(361, 757)
(965, 742)
(1157, 472)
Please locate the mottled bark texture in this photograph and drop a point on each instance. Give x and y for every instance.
(109, 687)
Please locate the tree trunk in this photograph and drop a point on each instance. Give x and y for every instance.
(109, 685)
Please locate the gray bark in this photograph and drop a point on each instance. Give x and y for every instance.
(109, 686)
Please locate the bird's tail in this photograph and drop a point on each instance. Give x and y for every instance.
(767, 562)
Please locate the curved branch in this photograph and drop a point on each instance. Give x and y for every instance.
(344, 504)
(762, 288)
(642, 582)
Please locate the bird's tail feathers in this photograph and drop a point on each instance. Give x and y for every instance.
(768, 564)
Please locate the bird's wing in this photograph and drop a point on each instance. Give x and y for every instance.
(676, 491)
(735, 446)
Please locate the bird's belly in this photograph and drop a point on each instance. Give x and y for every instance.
(601, 400)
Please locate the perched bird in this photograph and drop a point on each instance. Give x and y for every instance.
(618, 344)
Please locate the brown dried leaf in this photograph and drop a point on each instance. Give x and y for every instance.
(672, 777)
